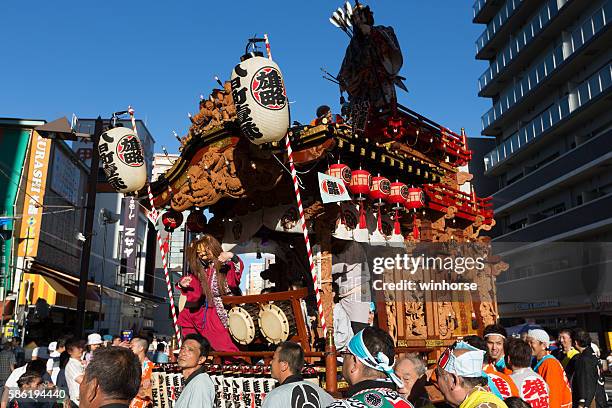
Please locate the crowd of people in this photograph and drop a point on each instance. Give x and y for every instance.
(493, 371)
(46, 375)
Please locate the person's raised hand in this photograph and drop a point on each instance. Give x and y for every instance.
(124, 343)
(225, 256)
(185, 282)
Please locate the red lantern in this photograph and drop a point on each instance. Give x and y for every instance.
(361, 183)
(416, 198)
(381, 188)
(341, 171)
(172, 220)
(196, 221)
(399, 193)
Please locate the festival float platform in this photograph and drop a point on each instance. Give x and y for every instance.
(409, 188)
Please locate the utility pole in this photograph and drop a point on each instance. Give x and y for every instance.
(90, 209)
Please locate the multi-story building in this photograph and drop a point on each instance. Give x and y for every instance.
(46, 183)
(549, 76)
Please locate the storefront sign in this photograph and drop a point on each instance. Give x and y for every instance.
(538, 305)
(40, 149)
(129, 240)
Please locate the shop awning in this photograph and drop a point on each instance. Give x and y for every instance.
(36, 286)
(56, 288)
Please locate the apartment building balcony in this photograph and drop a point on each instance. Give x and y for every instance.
(539, 83)
(520, 51)
(508, 19)
(590, 99)
(573, 223)
(592, 157)
(485, 10)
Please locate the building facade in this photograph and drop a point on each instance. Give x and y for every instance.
(549, 77)
(47, 186)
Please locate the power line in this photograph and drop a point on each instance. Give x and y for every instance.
(17, 184)
(27, 180)
(95, 255)
(18, 217)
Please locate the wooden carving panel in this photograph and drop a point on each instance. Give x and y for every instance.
(225, 172)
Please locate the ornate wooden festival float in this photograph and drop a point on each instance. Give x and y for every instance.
(405, 177)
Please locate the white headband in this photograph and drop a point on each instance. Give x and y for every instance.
(495, 334)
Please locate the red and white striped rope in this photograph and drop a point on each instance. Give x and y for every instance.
(166, 275)
(313, 272)
(153, 215)
(268, 46)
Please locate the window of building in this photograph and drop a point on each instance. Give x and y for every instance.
(583, 93)
(606, 77)
(576, 39)
(564, 105)
(594, 86)
(522, 223)
(547, 160)
(546, 120)
(554, 114)
(514, 178)
(554, 210)
(587, 30)
(549, 63)
(101, 176)
(598, 20)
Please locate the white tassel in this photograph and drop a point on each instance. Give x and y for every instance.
(331, 20)
(349, 9)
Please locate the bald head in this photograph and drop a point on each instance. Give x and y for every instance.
(139, 346)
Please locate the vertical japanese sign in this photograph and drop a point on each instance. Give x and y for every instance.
(36, 182)
(129, 239)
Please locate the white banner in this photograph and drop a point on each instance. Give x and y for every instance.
(332, 189)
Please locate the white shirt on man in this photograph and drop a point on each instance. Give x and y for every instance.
(53, 365)
(199, 391)
(11, 381)
(351, 273)
(343, 332)
(74, 369)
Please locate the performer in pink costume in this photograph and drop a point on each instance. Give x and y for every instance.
(213, 273)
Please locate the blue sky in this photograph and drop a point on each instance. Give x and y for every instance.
(91, 58)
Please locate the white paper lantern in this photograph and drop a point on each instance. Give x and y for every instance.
(122, 159)
(262, 108)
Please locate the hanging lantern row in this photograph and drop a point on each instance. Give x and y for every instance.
(362, 185)
(196, 220)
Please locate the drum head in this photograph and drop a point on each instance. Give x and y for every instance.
(274, 323)
(241, 325)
